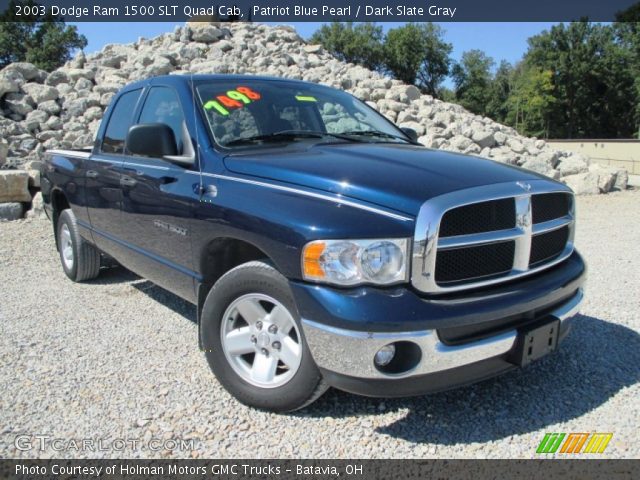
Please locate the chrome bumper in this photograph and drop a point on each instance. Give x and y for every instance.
(351, 352)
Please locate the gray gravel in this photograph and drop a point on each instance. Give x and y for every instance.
(117, 360)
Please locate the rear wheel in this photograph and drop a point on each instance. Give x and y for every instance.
(253, 340)
(80, 260)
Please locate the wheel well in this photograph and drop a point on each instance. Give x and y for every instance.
(58, 203)
(220, 256)
(223, 254)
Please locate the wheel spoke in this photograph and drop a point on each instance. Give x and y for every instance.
(281, 318)
(264, 368)
(66, 246)
(270, 335)
(251, 310)
(238, 341)
(290, 352)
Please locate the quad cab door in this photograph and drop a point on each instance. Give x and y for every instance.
(103, 171)
(159, 197)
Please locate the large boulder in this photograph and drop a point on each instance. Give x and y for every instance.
(57, 77)
(583, 183)
(542, 167)
(610, 178)
(4, 149)
(37, 207)
(14, 186)
(10, 211)
(19, 103)
(573, 164)
(40, 93)
(201, 32)
(10, 81)
(28, 70)
(483, 138)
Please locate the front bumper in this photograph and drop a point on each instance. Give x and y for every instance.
(345, 355)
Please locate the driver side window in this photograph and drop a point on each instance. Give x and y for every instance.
(163, 106)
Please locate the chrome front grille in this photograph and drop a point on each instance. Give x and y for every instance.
(491, 234)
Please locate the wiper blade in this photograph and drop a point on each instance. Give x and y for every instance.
(375, 133)
(277, 136)
(293, 134)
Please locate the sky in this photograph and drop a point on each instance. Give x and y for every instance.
(502, 41)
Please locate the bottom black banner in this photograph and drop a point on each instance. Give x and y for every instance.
(322, 469)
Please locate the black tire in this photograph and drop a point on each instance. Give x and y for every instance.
(304, 387)
(85, 263)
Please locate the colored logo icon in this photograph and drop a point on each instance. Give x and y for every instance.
(574, 443)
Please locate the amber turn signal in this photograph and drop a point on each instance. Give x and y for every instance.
(311, 260)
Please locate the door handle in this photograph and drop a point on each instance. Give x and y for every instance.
(91, 174)
(167, 180)
(128, 182)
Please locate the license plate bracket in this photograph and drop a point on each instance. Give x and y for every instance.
(536, 342)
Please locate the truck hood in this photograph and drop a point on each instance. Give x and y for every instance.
(399, 177)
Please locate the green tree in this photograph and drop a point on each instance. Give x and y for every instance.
(355, 43)
(531, 101)
(499, 91)
(417, 54)
(472, 79)
(46, 41)
(627, 31)
(447, 95)
(593, 84)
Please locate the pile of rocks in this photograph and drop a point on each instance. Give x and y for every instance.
(62, 109)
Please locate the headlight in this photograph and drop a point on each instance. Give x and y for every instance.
(351, 262)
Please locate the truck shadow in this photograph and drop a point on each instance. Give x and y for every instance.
(114, 275)
(168, 299)
(117, 274)
(596, 361)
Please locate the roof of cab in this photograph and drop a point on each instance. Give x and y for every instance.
(177, 79)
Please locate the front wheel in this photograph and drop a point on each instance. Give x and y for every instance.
(253, 340)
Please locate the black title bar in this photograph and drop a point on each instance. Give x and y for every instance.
(319, 469)
(324, 10)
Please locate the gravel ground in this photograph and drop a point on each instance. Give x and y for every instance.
(116, 359)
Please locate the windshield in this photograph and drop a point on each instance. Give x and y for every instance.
(257, 112)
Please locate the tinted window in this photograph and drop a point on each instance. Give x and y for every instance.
(239, 123)
(119, 123)
(162, 106)
(245, 109)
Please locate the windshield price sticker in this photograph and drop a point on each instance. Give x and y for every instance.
(237, 98)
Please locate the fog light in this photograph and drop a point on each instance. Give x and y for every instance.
(384, 355)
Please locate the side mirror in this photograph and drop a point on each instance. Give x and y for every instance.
(152, 140)
(411, 133)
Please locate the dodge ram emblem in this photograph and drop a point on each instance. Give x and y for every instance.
(524, 185)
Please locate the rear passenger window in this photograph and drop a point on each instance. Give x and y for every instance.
(119, 123)
(163, 106)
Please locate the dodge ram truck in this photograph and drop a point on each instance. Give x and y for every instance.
(322, 245)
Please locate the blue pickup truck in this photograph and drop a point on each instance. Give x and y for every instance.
(323, 246)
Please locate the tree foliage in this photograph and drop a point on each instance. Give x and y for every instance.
(355, 43)
(472, 79)
(46, 41)
(417, 54)
(531, 101)
(593, 85)
(500, 90)
(627, 32)
(414, 53)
